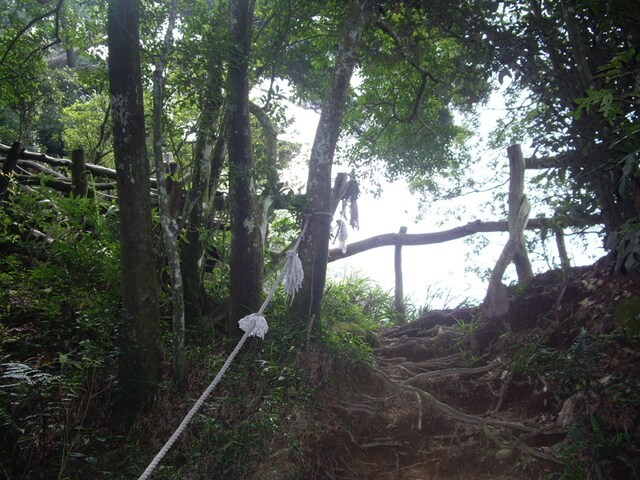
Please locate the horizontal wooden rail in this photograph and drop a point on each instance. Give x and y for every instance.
(407, 239)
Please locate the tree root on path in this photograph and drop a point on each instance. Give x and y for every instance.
(484, 424)
(425, 365)
(453, 371)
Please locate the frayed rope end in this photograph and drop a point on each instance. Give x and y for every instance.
(293, 274)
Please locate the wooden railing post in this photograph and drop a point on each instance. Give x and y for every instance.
(79, 173)
(516, 196)
(9, 164)
(401, 316)
(565, 262)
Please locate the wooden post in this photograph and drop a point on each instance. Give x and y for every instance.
(9, 164)
(496, 302)
(79, 173)
(516, 196)
(565, 262)
(399, 291)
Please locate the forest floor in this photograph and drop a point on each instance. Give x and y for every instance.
(550, 390)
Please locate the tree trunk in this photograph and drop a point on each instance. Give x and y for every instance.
(270, 166)
(246, 262)
(203, 186)
(314, 248)
(565, 261)
(516, 197)
(139, 368)
(496, 303)
(168, 224)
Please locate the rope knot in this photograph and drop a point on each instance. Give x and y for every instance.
(255, 325)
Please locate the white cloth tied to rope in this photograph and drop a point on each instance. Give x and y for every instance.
(342, 235)
(293, 273)
(254, 324)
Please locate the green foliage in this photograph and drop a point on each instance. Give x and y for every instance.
(87, 126)
(627, 316)
(59, 317)
(603, 428)
(359, 300)
(574, 78)
(352, 307)
(252, 415)
(626, 242)
(348, 344)
(401, 120)
(283, 231)
(593, 451)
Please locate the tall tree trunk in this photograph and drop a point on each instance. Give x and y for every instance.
(246, 262)
(168, 224)
(139, 369)
(314, 248)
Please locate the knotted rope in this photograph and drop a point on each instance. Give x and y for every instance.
(253, 325)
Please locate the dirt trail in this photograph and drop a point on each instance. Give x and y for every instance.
(453, 396)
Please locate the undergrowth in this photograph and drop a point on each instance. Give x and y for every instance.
(59, 317)
(600, 408)
(59, 294)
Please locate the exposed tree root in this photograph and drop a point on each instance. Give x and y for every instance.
(453, 371)
(484, 424)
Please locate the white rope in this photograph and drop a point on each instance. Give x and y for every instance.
(254, 325)
(185, 422)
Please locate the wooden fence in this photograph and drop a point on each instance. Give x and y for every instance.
(514, 250)
(21, 163)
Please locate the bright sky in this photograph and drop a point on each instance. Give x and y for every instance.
(433, 274)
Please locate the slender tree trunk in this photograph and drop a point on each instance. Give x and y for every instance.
(246, 262)
(203, 187)
(401, 311)
(168, 224)
(139, 369)
(268, 195)
(314, 248)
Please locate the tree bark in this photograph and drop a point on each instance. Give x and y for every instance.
(168, 224)
(314, 248)
(516, 197)
(565, 261)
(139, 367)
(204, 181)
(246, 262)
(577, 44)
(60, 162)
(496, 303)
(270, 166)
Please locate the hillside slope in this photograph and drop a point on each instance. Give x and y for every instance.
(548, 391)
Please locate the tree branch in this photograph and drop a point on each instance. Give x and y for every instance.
(24, 29)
